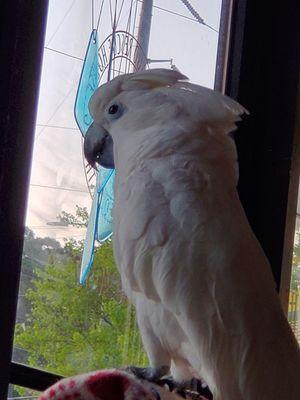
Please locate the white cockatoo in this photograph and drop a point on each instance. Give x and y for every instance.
(202, 287)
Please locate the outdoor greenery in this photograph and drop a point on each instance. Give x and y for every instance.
(295, 278)
(70, 328)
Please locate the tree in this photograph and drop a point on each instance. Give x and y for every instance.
(36, 252)
(72, 328)
(78, 220)
(295, 277)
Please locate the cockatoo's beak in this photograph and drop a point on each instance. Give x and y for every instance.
(98, 147)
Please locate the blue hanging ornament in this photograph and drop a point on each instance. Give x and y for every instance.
(100, 219)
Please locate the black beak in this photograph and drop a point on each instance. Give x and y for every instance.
(98, 147)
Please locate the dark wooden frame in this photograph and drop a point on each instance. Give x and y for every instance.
(261, 56)
(22, 27)
(258, 64)
(263, 74)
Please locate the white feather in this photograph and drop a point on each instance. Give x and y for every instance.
(202, 286)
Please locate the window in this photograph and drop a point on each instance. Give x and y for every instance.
(62, 327)
(58, 179)
(18, 392)
(294, 296)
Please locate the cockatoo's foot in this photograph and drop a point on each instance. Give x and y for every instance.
(201, 388)
(192, 389)
(148, 373)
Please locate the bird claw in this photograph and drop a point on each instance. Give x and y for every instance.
(155, 394)
(152, 375)
(169, 382)
(148, 374)
(192, 389)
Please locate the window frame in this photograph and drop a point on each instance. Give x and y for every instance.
(250, 57)
(263, 75)
(22, 30)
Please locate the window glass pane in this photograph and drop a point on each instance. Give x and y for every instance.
(19, 393)
(294, 298)
(61, 326)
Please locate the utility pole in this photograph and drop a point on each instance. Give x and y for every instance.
(143, 36)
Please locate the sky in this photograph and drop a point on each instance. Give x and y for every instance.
(57, 174)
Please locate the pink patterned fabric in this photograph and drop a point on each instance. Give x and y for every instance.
(110, 384)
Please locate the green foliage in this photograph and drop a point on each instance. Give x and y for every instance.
(78, 220)
(36, 253)
(73, 328)
(295, 277)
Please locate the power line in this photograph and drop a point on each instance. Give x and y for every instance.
(135, 17)
(63, 53)
(93, 14)
(57, 127)
(58, 188)
(182, 16)
(120, 11)
(196, 14)
(100, 14)
(59, 227)
(111, 16)
(174, 13)
(61, 22)
(47, 227)
(193, 11)
(72, 236)
(57, 108)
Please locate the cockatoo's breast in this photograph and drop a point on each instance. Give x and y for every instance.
(159, 206)
(179, 224)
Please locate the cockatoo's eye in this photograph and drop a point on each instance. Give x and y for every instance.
(115, 111)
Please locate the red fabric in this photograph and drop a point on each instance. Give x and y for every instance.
(107, 385)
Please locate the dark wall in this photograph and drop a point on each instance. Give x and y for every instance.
(263, 75)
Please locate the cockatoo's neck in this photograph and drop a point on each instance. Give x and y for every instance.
(203, 152)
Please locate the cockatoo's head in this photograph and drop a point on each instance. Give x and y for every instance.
(129, 110)
(127, 103)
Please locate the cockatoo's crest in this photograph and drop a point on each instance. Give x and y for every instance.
(153, 78)
(150, 79)
(213, 106)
